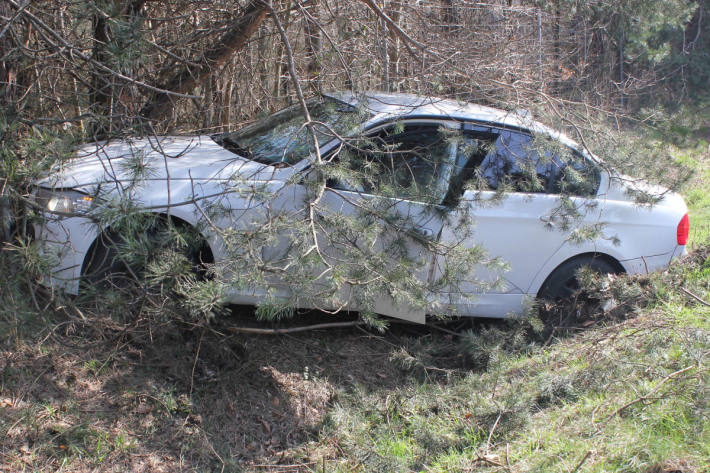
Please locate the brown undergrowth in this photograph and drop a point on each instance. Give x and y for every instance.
(88, 394)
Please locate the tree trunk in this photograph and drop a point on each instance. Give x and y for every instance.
(104, 89)
(241, 29)
(314, 45)
(8, 70)
(101, 88)
(450, 16)
(394, 12)
(281, 86)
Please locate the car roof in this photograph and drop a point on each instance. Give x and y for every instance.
(388, 105)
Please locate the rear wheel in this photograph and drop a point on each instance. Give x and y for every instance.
(563, 281)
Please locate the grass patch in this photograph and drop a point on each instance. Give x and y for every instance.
(628, 396)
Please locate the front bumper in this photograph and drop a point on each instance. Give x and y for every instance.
(64, 241)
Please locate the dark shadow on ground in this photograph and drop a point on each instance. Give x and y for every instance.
(168, 397)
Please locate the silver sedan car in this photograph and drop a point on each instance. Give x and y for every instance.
(535, 193)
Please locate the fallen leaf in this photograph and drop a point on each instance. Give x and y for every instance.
(144, 408)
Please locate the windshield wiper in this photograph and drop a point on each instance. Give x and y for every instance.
(232, 145)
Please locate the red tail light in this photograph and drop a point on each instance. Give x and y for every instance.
(683, 230)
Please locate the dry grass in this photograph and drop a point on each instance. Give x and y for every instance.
(76, 398)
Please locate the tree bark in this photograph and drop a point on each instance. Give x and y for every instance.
(8, 71)
(314, 43)
(242, 28)
(103, 85)
(450, 16)
(100, 97)
(395, 13)
(281, 86)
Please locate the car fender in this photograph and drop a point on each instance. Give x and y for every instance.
(568, 252)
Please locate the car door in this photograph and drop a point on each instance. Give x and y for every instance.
(397, 178)
(517, 211)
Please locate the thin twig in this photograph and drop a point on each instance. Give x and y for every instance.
(34, 296)
(290, 62)
(581, 462)
(651, 392)
(209, 444)
(493, 429)
(14, 17)
(485, 459)
(445, 330)
(194, 364)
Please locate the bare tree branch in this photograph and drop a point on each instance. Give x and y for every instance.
(236, 37)
(62, 44)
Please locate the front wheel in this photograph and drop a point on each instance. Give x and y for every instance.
(127, 260)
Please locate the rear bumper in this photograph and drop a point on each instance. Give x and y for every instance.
(648, 264)
(679, 252)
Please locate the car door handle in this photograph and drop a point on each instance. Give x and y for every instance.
(427, 232)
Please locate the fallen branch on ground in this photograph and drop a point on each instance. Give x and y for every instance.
(650, 393)
(695, 297)
(280, 331)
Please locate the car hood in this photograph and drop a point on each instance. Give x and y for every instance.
(195, 158)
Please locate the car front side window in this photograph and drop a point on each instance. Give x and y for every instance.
(403, 161)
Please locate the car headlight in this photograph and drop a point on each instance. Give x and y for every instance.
(64, 201)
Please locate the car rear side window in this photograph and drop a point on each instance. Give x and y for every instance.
(493, 159)
(575, 175)
(513, 160)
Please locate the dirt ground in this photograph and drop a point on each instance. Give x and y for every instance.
(175, 398)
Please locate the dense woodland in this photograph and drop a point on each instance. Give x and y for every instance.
(108, 67)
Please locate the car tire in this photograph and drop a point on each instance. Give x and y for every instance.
(106, 268)
(563, 283)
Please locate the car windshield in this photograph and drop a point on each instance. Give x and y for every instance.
(282, 138)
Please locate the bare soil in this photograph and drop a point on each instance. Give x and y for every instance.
(87, 397)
